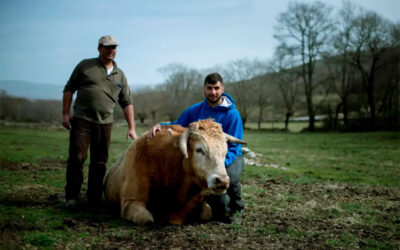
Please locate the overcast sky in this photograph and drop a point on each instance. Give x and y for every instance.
(43, 40)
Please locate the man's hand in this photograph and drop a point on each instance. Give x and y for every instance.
(153, 131)
(132, 134)
(129, 117)
(66, 121)
(67, 99)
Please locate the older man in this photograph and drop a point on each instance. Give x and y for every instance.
(99, 84)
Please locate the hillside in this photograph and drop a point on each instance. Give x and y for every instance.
(32, 90)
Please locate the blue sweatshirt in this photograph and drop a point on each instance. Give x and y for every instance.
(225, 114)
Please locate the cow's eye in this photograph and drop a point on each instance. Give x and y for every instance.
(199, 151)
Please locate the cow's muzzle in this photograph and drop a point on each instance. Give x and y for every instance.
(219, 184)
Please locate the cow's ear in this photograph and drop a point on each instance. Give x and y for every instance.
(175, 137)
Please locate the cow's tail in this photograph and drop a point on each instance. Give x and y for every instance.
(113, 179)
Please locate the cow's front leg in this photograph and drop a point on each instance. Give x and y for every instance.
(206, 211)
(136, 211)
(180, 216)
(134, 197)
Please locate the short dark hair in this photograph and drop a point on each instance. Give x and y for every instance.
(213, 78)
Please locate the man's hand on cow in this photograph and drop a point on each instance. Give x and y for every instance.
(66, 121)
(132, 134)
(153, 131)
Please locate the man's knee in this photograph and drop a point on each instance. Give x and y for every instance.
(235, 169)
(75, 162)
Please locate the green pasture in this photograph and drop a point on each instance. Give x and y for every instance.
(277, 125)
(325, 191)
(359, 158)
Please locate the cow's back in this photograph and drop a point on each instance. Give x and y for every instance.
(157, 160)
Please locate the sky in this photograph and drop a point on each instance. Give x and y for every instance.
(43, 40)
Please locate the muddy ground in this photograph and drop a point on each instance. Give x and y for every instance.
(279, 214)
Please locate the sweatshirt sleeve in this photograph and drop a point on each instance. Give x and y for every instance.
(234, 128)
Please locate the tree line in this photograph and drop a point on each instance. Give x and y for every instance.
(341, 64)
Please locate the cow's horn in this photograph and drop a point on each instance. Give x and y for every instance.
(172, 133)
(183, 143)
(233, 139)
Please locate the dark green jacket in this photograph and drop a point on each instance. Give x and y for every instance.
(97, 92)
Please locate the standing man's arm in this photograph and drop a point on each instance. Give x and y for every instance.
(68, 92)
(67, 99)
(130, 119)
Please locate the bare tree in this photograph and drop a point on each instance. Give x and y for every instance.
(261, 96)
(303, 31)
(371, 39)
(261, 88)
(148, 103)
(23, 110)
(388, 81)
(395, 79)
(183, 86)
(157, 99)
(239, 75)
(339, 61)
(286, 79)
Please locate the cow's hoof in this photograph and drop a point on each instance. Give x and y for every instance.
(138, 215)
(143, 217)
(175, 220)
(206, 212)
(143, 221)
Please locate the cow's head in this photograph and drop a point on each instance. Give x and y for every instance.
(204, 144)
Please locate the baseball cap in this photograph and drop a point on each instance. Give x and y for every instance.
(107, 40)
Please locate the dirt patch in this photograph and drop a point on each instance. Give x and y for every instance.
(256, 159)
(31, 167)
(279, 215)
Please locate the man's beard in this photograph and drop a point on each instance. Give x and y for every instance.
(214, 102)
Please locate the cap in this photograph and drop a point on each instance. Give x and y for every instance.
(107, 41)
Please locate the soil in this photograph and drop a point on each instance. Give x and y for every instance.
(279, 215)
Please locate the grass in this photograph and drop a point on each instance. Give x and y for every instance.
(292, 126)
(33, 146)
(336, 190)
(364, 158)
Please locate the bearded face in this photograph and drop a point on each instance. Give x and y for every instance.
(213, 93)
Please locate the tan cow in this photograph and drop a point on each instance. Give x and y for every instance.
(166, 177)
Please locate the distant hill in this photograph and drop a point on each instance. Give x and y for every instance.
(32, 90)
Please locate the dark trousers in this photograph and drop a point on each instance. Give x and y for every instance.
(230, 202)
(84, 133)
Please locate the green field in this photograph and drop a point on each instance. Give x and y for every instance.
(293, 126)
(330, 191)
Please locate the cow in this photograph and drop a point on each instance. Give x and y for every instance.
(165, 178)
